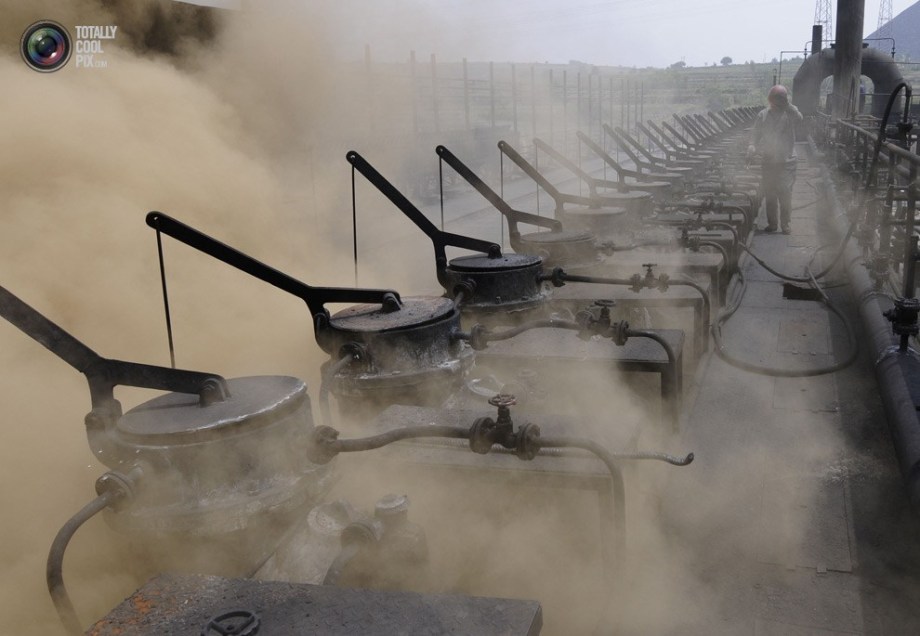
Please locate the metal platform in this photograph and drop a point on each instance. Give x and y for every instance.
(209, 605)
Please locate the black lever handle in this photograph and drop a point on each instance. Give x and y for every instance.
(513, 216)
(438, 238)
(104, 374)
(314, 297)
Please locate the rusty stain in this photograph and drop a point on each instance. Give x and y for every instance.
(141, 604)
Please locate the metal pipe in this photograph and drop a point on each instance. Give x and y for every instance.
(54, 571)
(657, 337)
(480, 336)
(564, 276)
(893, 368)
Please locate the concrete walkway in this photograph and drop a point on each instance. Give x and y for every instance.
(792, 519)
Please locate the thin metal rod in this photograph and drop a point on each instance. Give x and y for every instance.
(441, 189)
(354, 223)
(169, 333)
(501, 189)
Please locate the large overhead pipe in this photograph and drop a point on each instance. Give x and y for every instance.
(848, 57)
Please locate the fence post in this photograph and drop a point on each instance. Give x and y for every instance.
(434, 93)
(533, 100)
(492, 93)
(370, 85)
(514, 113)
(466, 97)
(413, 78)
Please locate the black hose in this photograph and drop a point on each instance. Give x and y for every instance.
(806, 279)
(729, 310)
(54, 571)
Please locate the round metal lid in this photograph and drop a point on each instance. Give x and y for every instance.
(415, 311)
(482, 263)
(652, 185)
(626, 196)
(178, 418)
(562, 236)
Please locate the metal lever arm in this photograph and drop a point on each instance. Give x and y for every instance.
(514, 216)
(567, 163)
(622, 172)
(314, 297)
(104, 374)
(438, 238)
(560, 198)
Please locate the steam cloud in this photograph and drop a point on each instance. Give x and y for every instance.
(225, 122)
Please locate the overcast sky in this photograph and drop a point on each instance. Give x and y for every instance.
(611, 32)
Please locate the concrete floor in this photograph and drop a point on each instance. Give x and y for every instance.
(812, 534)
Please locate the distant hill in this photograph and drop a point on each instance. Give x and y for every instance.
(905, 29)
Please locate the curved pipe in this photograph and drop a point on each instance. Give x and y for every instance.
(880, 139)
(54, 570)
(722, 250)
(550, 323)
(618, 492)
(683, 282)
(657, 337)
(810, 277)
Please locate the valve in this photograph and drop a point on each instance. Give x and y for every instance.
(503, 401)
(903, 316)
(619, 332)
(878, 269)
(661, 283)
(479, 336)
(465, 287)
(606, 305)
(557, 277)
(122, 484)
(635, 283)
